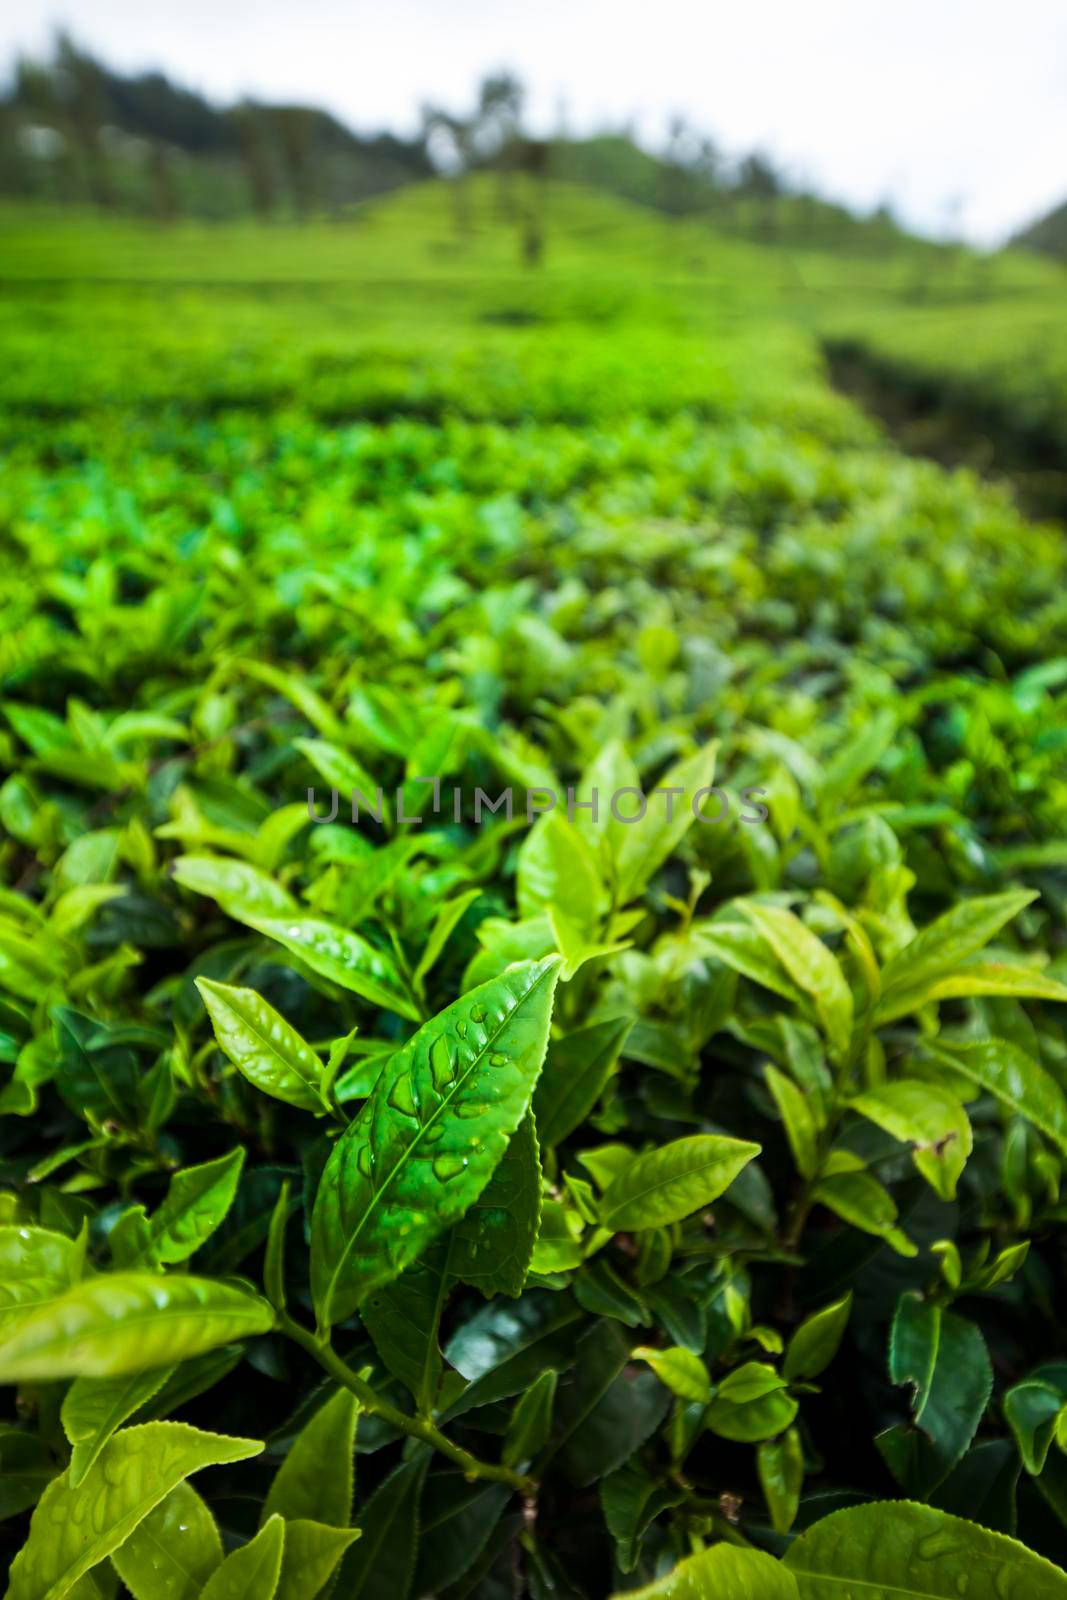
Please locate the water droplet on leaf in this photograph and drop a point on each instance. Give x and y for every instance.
(440, 1063)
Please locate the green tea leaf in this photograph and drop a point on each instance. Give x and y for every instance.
(456, 1522)
(816, 1342)
(252, 1572)
(578, 1068)
(928, 1118)
(241, 889)
(173, 1552)
(403, 1319)
(858, 1198)
(36, 1266)
(494, 1243)
(1032, 1410)
(430, 1136)
(944, 1358)
(811, 966)
(912, 1552)
(1017, 1081)
(632, 1500)
(317, 1475)
(74, 1529)
(557, 871)
(531, 1421)
(127, 1322)
(506, 1346)
(345, 958)
(943, 944)
(196, 1203)
(94, 1407)
(780, 1463)
(722, 1573)
(262, 1045)
(383, 1562)
(666, 1185)
(445, 924)
(751, 1403)
(312, 1552)
(643, 845)
(797, 1119)
(680, 1370)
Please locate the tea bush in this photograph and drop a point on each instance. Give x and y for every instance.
(522, 1200)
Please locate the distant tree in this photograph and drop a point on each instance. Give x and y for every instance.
(294, 129)
(759, 180)
(534, 158)
(82, 92)
(497, 131)
(449, 138)
(161, 181)
(253, 142)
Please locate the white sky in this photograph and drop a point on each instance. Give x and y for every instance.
(956, 110)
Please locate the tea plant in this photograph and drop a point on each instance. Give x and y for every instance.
(527, 1200)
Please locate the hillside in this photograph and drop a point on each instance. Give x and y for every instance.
(1047, 235)
(501, 1197)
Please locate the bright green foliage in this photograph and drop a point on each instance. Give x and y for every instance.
(916, 1553)
(252, 1572)
(94, 1407)
(646, 1181)
(683, 1373)
(312, 1552)
(36, 1265)
(73, 1529)
(196, 1203)
(314, 1482)
(127, 1322)
(669, 1184)
(173, 1552)
(817, 1340)
(262, 1045)
(431, 1135)
(726, 1573)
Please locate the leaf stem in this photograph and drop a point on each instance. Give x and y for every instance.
(415, 1427)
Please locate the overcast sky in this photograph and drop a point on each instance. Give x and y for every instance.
(952, 109)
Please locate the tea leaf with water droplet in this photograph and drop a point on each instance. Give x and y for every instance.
(262, 1045)
(913, 1552)
(173, 1552)
(74, 1529)
(426, 1144)
(94, 1407)
(495, 1241)
(345, 958)
(36, 1265)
